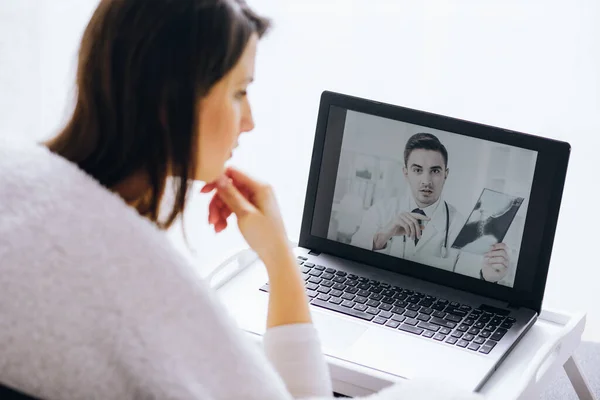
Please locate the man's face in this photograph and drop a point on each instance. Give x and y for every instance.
(426, 173)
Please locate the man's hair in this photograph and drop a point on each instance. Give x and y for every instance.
(143, 68)
(425, 141)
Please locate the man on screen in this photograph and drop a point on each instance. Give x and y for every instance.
(422, 226)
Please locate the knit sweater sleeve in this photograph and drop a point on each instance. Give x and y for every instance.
(295, 352)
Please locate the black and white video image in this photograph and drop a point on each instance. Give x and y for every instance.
(488, 223)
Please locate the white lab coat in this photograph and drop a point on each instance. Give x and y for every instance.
(429, 248)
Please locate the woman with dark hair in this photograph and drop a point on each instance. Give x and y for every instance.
(95, 302)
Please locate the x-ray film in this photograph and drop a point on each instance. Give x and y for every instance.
(488, 223)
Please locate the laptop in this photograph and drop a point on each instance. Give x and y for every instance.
(425, 240)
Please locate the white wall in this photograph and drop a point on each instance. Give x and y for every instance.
(528, 65)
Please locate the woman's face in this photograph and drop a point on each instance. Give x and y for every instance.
(224, 115)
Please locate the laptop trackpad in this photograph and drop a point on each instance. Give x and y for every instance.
(336, 334)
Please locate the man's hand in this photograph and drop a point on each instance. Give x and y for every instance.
(495, 263)
(405, 224)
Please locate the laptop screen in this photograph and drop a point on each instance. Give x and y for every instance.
(437, 198)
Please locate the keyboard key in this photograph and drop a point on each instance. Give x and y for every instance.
(339, 279)
(485, 349)
(364, 286)
(372, 310)
(454, 304)
(423, 317)
(309, 264)
(398, 310)
(451, 340)
(345, 296)
(496, 321)
(465, 307)
(426, 303)
(413, 307)
(360, 300)
(392, 324)
(457, 334)
(352, 277)
(439, 337)
(456, 312)
(387, 300)
(327, 283)
(375, 289)
(442, 322)
(323, 297)
(376, 296)
(479, 340)
(341, 273)
(385, 314)
(510, 320)
(499, 334)
(485, 334)
(350, 289)
(312, 293)
(312, 286)
(413, 299)
(360, 307)
(484, 319)
(338, 293)
(305, 270)
(379, 320)
(426, 310)
(388, 293)
(411, 329)
(443, 301)
(341, 309)
(468, 337)
(474, 331)
(320, 267)
(438, 307)
(322, 289)
(445, 331)
(428, 334)
(428, 326)
(399, 318)
(439, 314)
(362, 279)
(462, 343)
(463, 328)
(476, 311)
(385, 307)
(411, 321)
(314, 279)
(491, 343)
(490, 328)
(408, 292)
(506, 325)
(473, 346)
(373, 282)
(306, 277)
(479, 325)
(314, 272)
(330, 270)
(373, 303)
(327, 275)
(339, 286)
(348, 303)
(469, 321)
(401, 296)
(400, 303)
(411, 314)
(335, 300)
(363, 293)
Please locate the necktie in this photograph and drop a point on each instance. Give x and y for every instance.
(418, 211)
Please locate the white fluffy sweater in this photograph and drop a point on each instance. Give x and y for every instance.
(95, 303)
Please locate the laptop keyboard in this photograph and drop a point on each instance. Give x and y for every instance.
(477, 329)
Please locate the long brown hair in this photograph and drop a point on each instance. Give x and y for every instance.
(143, 66)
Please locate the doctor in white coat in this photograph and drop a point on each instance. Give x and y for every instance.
(422, 226)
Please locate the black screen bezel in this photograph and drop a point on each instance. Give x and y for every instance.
(529, 296)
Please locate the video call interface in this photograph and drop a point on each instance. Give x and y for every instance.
(433, 197)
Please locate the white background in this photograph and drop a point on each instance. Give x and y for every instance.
(531, 65)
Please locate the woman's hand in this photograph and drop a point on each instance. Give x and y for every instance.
(257, 212)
